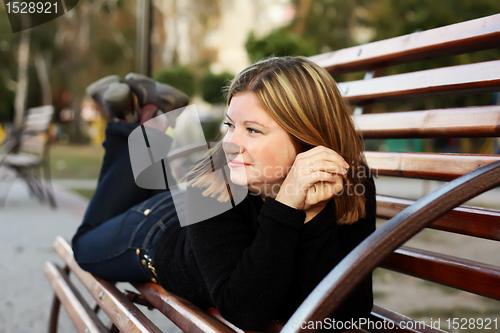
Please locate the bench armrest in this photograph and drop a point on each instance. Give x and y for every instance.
(335, 287)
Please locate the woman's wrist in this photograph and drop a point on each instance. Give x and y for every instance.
(312, 211)
(283, 214)
(287, 200)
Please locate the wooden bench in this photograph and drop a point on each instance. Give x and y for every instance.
(468, 175)
(26, 153)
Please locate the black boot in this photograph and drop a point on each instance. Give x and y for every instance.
(114, 96)
(166, 97)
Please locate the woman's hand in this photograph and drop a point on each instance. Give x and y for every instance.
(314, 178)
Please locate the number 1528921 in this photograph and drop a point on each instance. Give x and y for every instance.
(16, 7)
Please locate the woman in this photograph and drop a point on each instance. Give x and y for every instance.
(289, 137)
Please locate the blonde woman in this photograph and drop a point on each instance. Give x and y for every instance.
(311, 199)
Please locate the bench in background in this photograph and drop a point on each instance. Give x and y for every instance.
(25, 152)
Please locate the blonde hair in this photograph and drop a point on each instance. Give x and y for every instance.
(303, 99)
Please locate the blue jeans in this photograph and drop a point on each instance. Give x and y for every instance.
(123, 222)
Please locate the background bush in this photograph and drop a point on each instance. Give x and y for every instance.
(180, 77)
(212, 87)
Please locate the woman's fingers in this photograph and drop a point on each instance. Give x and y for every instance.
(326, 166)
(321, 153)
(322, 191)
(319, 164)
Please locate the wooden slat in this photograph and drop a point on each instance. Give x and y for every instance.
(181, 312)
(275, 326)
(471, 276)
(479, 77)
(465, 37)
(138, 298)
(81, 314)
(38, 119)
(34, 144)
(212, 312)
(425, 165)
(482, 121)
(123, 313)
(401, 323)
(41, 109)
(339, 283)
(471, 221)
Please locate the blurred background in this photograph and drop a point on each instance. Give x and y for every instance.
(197, 46)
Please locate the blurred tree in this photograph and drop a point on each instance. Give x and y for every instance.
(180, 77)
(391, 18)
(335, 24)
(212, 87)
(278, 42)
(93, 40)
(328, 24)
(17, 57)
(183, 26)
(6, 103)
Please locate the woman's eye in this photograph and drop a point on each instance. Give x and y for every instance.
(228, 124)
(251, 130)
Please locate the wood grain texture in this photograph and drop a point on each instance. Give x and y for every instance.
(480, 121)
(181, 312)
(425, 165)
(465, 37)
(122, 312)
(464, 220)
(451, 271)
(82, 316)
(380, 313)
(479, 77)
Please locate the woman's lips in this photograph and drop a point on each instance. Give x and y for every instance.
(237, 164)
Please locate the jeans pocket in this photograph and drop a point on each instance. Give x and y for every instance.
(155, 233)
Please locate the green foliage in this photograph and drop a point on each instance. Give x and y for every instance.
(108, 52)
(75, 161)
(6, 104)
(392, 18)
(278, 42)
(212, 87)
(180, 77)
(328, 24)
(334, 24)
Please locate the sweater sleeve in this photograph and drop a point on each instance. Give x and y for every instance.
(323, 244)
(248, 275)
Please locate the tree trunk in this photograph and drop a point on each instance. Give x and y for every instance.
(43, 77)
(22, 78)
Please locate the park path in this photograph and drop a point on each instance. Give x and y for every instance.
(27, 231)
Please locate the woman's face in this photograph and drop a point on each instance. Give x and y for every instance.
(259, 151)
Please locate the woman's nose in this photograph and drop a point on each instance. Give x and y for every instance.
(232, 143)
(231, 148)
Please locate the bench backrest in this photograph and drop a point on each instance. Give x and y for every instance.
(378, 115)
(34, 132)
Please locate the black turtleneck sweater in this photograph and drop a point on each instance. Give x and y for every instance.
(259, 261)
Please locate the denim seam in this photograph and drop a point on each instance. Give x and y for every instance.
(160, 224)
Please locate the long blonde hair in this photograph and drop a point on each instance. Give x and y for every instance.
(303, 99)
